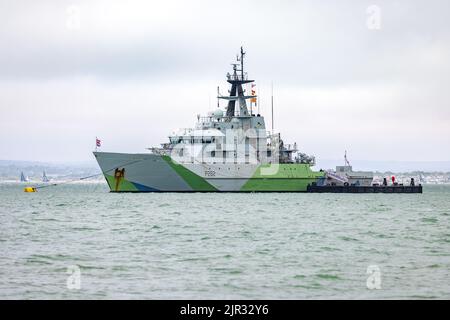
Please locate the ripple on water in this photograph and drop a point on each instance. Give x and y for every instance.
(227, 270)
(329, 249)
(46, 219)
(37, 261)
(328, 276)
(316, 246)
(309, 286)
(85, 229)
(48, 259)
(430, 220)
(83, 267)
(347, 238)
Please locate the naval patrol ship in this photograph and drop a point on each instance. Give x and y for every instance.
(230, 149)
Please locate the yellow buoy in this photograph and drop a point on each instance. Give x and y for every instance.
(29, 189)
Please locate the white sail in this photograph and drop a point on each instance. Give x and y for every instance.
(44, 177)
(23, 178)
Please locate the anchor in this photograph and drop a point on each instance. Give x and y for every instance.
(119, 174)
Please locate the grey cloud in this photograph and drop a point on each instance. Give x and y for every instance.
(299, 41)
(160, 62)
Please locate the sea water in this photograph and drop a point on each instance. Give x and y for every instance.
(80, 241)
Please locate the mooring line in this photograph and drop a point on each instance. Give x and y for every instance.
(87, 177)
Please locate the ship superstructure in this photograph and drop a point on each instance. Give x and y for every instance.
(235, 136)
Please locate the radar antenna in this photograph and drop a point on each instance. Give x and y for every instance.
(242, 62)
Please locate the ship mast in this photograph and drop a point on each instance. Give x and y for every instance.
(237, 92)
(242, 62)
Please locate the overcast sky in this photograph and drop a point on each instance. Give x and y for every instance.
(347, 75)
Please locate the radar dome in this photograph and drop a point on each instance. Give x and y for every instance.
(218, 113)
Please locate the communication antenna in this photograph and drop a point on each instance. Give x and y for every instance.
(242, 62)
(272, 105)
(345, 159)
(218, 95)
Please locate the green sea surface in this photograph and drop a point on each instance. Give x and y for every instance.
(78, 241)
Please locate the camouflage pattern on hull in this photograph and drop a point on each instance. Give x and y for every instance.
(156, 173)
